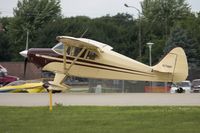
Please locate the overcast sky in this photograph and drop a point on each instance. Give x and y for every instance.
(91, 8)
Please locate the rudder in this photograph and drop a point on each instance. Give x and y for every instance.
(175, 63)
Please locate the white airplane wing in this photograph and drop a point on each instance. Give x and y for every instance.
(83, 42)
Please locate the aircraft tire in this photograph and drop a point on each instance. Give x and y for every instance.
(180, 90)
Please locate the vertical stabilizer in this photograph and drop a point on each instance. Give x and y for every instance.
(175, 63)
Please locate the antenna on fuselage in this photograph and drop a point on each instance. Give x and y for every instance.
(84, 33)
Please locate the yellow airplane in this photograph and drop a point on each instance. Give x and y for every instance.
(23, 86)
(83, 57)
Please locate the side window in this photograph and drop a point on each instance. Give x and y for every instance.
(83, 54)
(58, 48)
(87, 54)
(77, 51)
(68, 50)
(2, 74)
(74, 51)
(91, 55)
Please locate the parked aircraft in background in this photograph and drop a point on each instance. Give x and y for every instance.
(29, 86)
(83, 57)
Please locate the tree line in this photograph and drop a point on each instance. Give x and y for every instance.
(166, 23)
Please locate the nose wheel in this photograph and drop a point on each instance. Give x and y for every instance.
(48, 88)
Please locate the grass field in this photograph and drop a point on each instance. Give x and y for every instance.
(75, 119)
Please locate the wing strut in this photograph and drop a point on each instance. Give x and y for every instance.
(74, 61)
(64, 57)
(57, 83)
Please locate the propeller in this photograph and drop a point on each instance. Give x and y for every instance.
(24, 53)
(25, 64)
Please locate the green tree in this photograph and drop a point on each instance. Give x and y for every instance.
(119, 31)
(180, 38)
(46, 36)
(4, 40)
(31, 15)
(159, 17)
(163, 14)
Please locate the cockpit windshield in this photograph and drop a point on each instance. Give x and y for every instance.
(74, 51)
(59, 48)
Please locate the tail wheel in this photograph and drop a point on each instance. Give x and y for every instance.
(180, 90)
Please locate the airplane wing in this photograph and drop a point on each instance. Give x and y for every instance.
(83, 42)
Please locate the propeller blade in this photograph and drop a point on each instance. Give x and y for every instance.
(25, 65)
(24, 53)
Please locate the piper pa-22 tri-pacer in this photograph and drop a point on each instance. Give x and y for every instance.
(83, 57)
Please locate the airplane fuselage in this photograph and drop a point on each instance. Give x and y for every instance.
(106, 65)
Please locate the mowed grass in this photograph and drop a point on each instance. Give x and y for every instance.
(78, 119)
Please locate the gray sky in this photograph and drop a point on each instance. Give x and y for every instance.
(91, 8)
